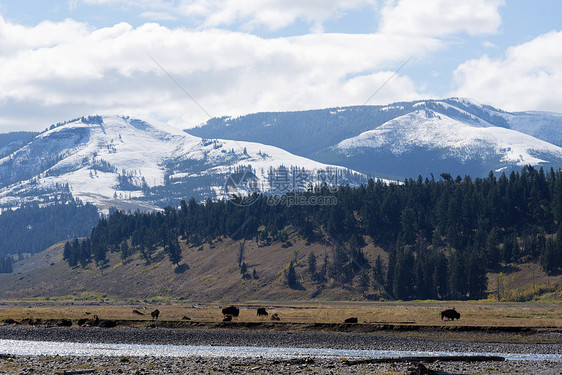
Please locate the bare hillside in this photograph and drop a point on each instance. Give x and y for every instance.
(206, 273)
(211, 273)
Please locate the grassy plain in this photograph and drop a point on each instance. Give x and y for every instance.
(416, 313)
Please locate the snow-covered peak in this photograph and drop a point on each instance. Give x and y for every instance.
(429, 129)
(127, 162)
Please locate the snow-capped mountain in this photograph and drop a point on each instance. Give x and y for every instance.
(425, 141)
(129, 163)
(406, 139)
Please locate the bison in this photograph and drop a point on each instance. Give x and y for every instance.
(155, 314)
(262, 311)
(137, 312)
(108, 324)
(227, 318)
(86, 322)
(275, 317)
(64, 323)
(231, 310)
(450, 314)
(351, 320)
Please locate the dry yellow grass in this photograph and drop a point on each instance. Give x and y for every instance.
(417, 313)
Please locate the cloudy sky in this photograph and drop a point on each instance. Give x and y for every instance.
(64, 59)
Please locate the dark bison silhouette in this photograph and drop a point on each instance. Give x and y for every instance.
(137, 312)
(108, 323)
(350, 320)
(155, 314)
(89, 322)
(275, 317)
(450, 314)
(231, 310)
(262, 311)
(227, 318)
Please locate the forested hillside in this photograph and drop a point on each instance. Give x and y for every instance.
(32, 228)
(440, 236)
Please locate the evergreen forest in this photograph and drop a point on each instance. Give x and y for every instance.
(440, 236)
(32, 228)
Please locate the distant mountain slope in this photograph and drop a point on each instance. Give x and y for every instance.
(9, 142)
(424, 142)
(130, 164)
(321, 134)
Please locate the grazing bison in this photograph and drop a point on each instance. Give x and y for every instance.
(86, 322)
(231, 310)
(155, 314)
(185, 318)
(137, 312)
(450, 314)
(351, 320)
(108, 323)
(227, 318)
(275, 317)
(82, 322)
(261, 311)
(64, 323)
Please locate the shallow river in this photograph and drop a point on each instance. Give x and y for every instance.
(24, 347)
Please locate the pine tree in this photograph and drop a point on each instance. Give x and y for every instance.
(476, 277)
(174, 250)
(70, 255)
(390, 270)
(378, 274)
(364, 282)
(124, 250)
(312, 265)
(507, 250)
(291, 276)
(321, 275)
(492, 251)
(548, 256)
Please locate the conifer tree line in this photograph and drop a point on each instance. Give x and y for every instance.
(32, 228)
(6, 264)
(440, 236)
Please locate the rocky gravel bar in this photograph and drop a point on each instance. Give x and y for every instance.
(20, 364)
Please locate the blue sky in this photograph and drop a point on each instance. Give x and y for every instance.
(63, 59)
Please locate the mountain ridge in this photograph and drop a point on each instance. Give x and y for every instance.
(128, 163)
(332, 126)
(118, 161)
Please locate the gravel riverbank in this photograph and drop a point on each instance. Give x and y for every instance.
(198, 365)
(228, 337)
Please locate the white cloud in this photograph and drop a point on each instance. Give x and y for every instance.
(107, 70)
(440, 17)
(529, 76)
(46, 34)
